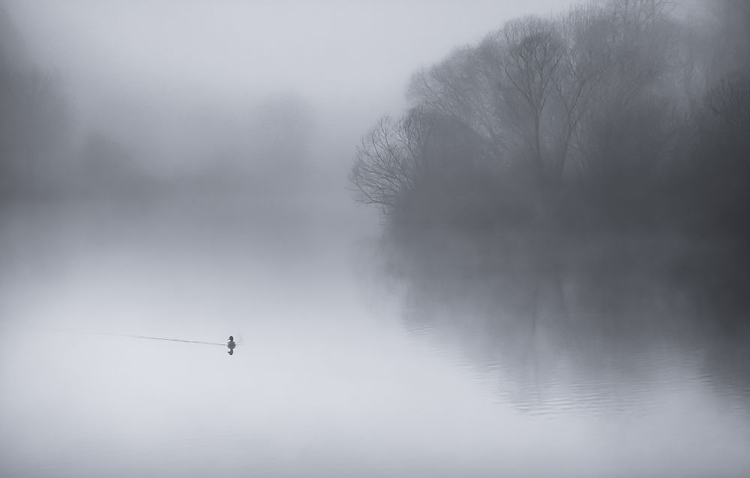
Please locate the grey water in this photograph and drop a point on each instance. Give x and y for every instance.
(343, 366)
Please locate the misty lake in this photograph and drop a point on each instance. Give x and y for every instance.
(343, 367)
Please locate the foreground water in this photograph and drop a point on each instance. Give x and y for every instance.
(341, 368)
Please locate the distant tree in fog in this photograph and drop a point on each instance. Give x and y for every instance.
(107, 168)
(280, 134)
(264, 147)
(459, 87)
(529, 88)
(729, 47)
(34, 119)
(719, 166)
(591, 118)
(427, 163)
(384, 169)
(530, 61)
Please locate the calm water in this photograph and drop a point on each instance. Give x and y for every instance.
(351, 361)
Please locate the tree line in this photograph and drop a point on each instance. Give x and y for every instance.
(35, 118)
(47, 152)
(616, 116)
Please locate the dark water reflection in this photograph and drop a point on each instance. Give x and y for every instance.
(607, 326)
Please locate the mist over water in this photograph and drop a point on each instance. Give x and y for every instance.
(341, 367)
(478, 321)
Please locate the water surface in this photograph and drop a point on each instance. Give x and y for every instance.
(343, 368)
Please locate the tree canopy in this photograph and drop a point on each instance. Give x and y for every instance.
(613, 114)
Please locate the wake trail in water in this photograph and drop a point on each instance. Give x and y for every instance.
(160, 338)
(132, 336)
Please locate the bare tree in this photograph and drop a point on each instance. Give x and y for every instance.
(533, 57)
(426, 159)
(383, 169)
(585, 103)
(458, 87)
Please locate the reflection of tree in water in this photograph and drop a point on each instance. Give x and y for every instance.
(574, 326)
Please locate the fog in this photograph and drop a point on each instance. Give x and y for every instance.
(168, 69)
(448, 238)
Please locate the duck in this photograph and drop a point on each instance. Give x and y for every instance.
(231, 345)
